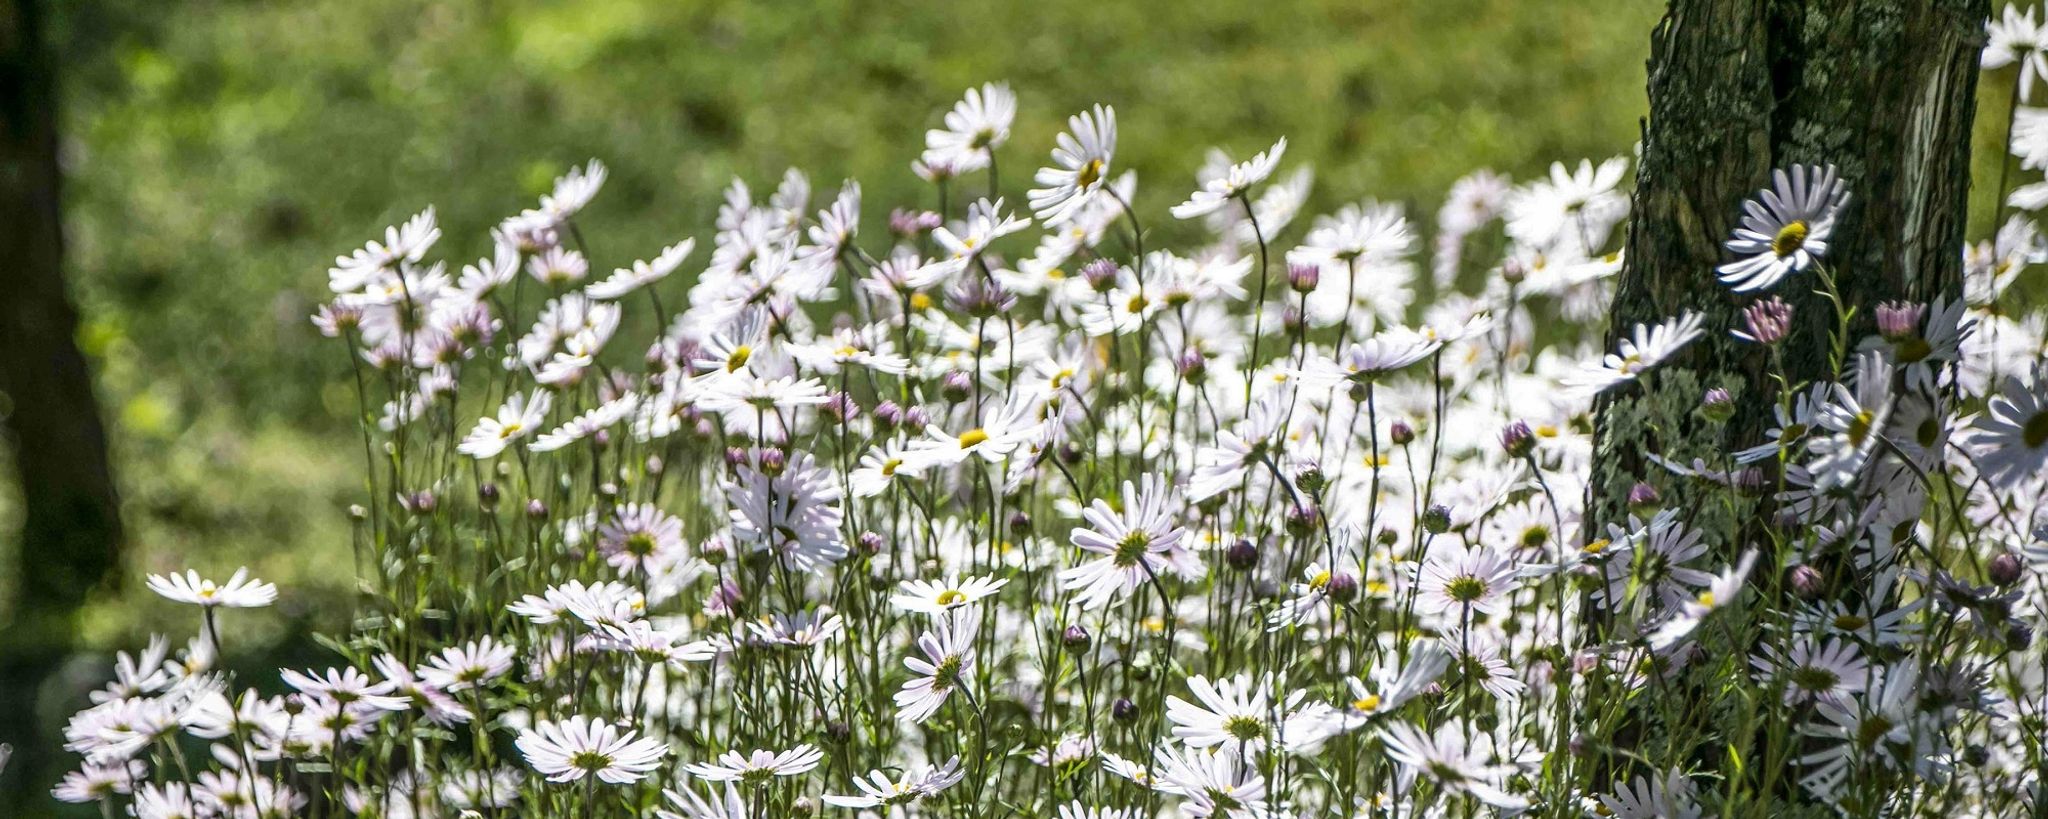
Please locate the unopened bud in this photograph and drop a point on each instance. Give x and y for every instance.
(1717, 405)
(1643, 498)
(1304, 277)
(1241, 555)
(1100, 275)
(2005, 569)
(1436, 520)
(1075, 638)
(1518, 440)
(1123, 710)
(1343, 587)
(1806, 581)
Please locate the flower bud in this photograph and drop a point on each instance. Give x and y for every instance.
(1310, 477)
(1303, 278)
(2018, 637)
(1343, 587)
(915, 420)
(1193, 368)
(1976, 755)
(842, 407)
(2005, 569)
(1020, 524)
(535, 509)
(1123, 710)
(870, 543)
(1100, 275)
(956, 386)
(1513, 271)
(1518, 440)
(1750, 481)
(1806, 581)
(1899, 320)
(1302, 520)
(1767, 321)
(1643, 499)
(1075, 638)
(887, 417)
(1241, 555)
(1436, 520)
(1401, 433)
(1717, 405)
(773, 461)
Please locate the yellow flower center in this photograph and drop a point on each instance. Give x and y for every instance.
(1367, 703)
(1089, 174)
(2035, 432)
(950, 597)
(1790, 238)
(738, 358)
(973, 438)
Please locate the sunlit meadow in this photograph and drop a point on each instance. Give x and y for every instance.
(1011, 508)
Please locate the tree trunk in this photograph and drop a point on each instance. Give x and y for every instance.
(1885, 90)
(71, 531)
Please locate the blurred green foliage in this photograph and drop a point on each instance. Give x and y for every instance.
(220, 154)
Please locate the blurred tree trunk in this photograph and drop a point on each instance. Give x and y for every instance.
(1885, 90)
(71, 531)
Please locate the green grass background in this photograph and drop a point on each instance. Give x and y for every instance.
(220, 154)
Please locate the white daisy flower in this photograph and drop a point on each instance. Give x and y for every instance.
(1134, 543)
(1082, 157)
(1453, 762)
(935, 598)
(1453, 583)
(2017, 38)
(757, 768)
(1233, 182)
(947, 663)
(1785, 229)
(470, 665)
(1236, 712)
(1814, 671)
(978, 124)
(581, 746)
(2010, 440)
(878, 790)
(1648, 347)
(518, 417)
(240, 592)
(624, 281)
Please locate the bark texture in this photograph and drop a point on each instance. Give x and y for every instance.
(69, 544)
(1885, 90)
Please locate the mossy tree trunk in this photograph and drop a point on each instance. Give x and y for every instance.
(70, 537)
(1885, 91)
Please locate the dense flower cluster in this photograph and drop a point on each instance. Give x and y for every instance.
(989, 512)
